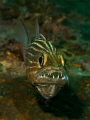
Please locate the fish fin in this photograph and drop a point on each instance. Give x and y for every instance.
(37, 29)
(42, 36)
(27, 40)
(15, 29)
(23, 38)
(38, 35)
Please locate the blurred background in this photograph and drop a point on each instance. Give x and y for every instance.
(67, 25)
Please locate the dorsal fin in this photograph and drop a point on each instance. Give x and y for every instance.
(42, 36)
(37, 29)
(24, 37)
(38, 35)
(27, 40)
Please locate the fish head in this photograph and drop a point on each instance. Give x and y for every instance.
(47, 74)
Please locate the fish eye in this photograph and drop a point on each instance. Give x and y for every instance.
(41, 60)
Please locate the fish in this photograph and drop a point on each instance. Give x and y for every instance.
(45, 68)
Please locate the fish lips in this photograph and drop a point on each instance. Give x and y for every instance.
(48, 88)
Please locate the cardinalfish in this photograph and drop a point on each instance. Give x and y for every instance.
(44, 66)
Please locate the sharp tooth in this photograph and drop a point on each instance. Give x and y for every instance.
(63, 77)
(44, 76)
(61, 74)
(41, 76)
(53, 76)
(58, 76)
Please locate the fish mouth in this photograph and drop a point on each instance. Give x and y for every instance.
(49, 81)
(51, 76)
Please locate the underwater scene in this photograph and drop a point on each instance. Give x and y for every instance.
(45, 60)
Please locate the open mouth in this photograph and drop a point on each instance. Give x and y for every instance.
(54, 75)
(51, 77)
(49, 81)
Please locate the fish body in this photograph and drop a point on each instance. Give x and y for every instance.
(44, 66)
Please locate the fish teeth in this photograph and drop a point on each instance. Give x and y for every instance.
(44, 76)
(63, 77)
(58, 76)
(61, 74)
(53, 76)
(41, 76)
(48, 73)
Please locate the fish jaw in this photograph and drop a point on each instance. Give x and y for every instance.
(48, 91)
(49, 81)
